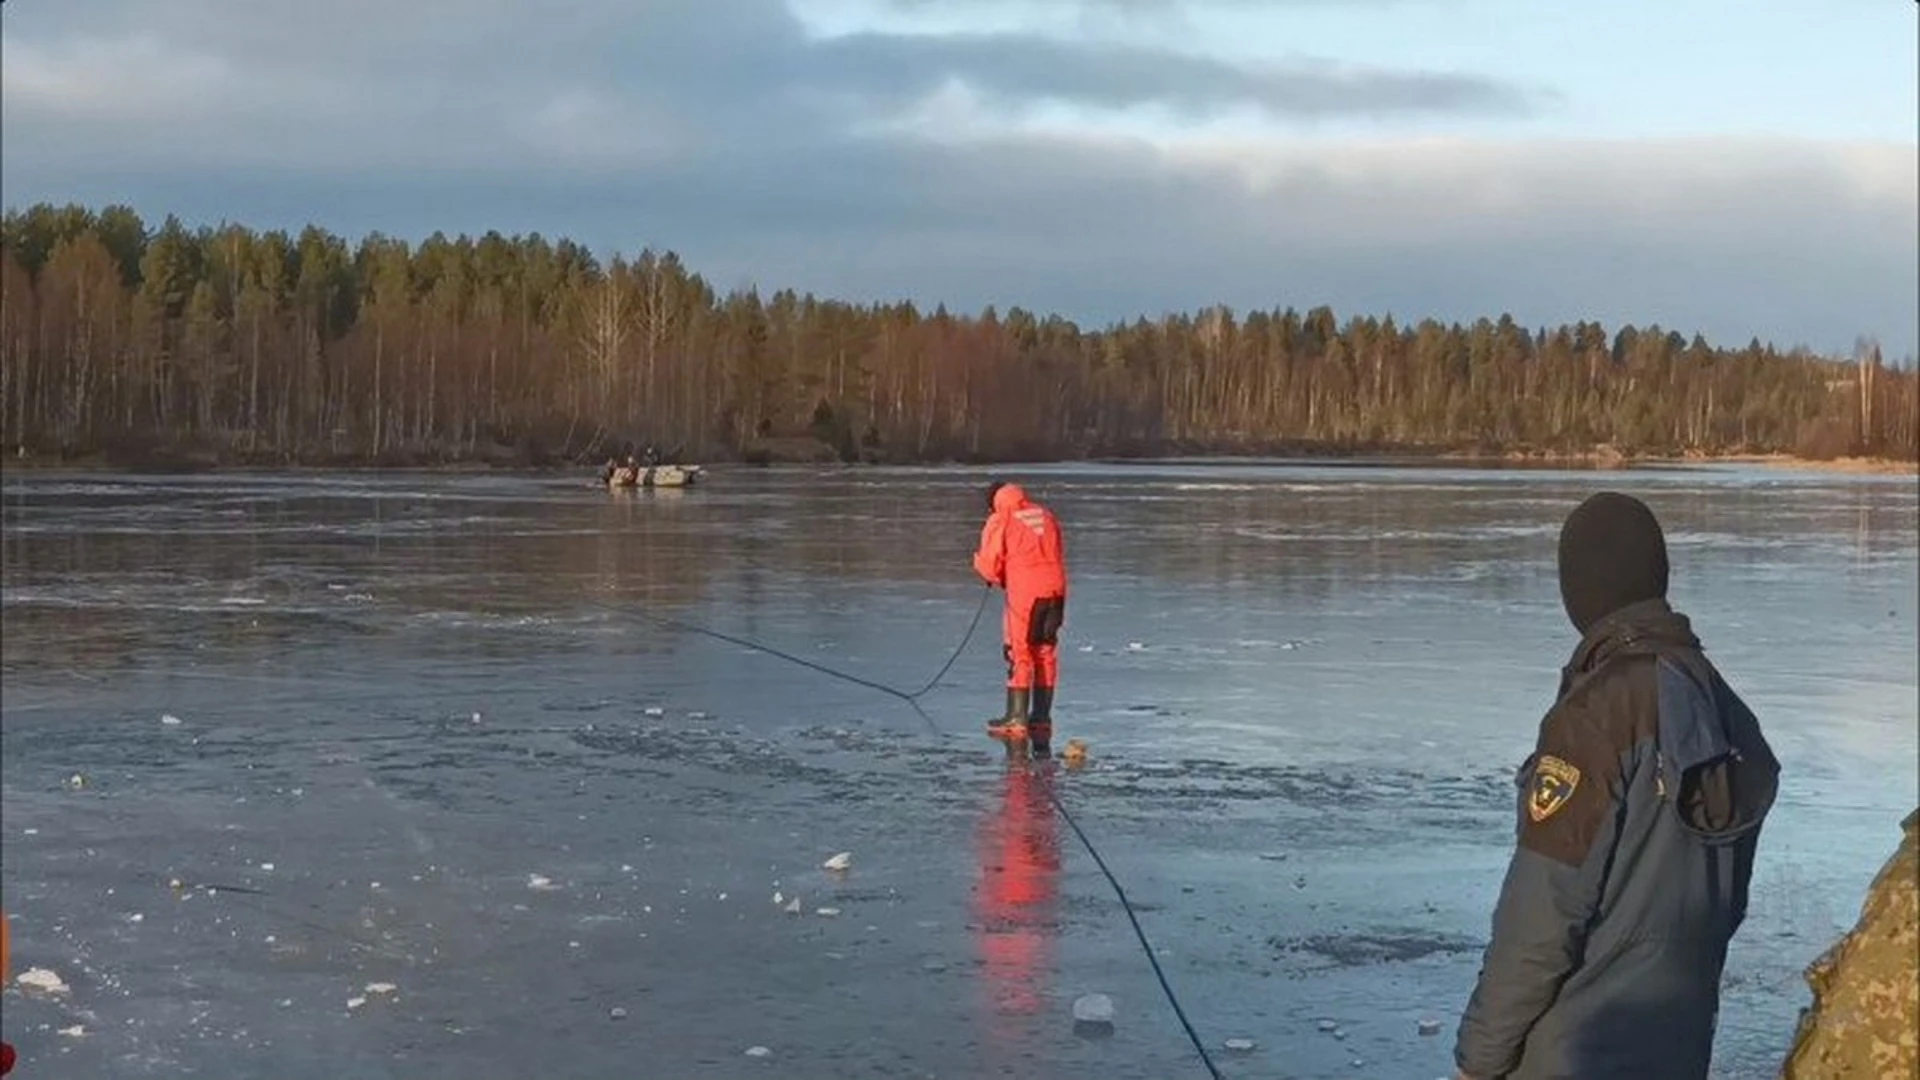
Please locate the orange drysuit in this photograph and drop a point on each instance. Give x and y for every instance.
(1021, 550)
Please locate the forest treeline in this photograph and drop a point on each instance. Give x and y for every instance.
(242, 345)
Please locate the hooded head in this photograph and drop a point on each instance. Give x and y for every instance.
(1002, 495)
(1612, 555)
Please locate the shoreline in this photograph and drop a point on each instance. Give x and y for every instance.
(1840, 466)
(1854, 466)
(1602, 459)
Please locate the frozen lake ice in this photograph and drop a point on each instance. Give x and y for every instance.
(496, 822)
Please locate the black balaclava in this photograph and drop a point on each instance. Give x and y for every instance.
(993, 489)
(1612, 555)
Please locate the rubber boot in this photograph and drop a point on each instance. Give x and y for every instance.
(1040, 723)
(1013, 725)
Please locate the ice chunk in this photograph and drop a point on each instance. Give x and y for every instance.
(827, 912)
(75, 1032)
(1329, 1025)
(759, 1051)
(170, 720)
(539, 881)
(617, 1013)
(1135, 646)
(267, 867)
(793, 906)
(778, 899)
(840, 861)
(655, 710)
(1093, 1009)
(1429, 1027)
(42, 980)
(1241, 1046)
(355, 1002)
(381, 988)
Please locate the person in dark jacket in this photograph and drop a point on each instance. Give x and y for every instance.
(1639, 815)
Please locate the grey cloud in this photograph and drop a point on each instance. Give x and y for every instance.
(726, 138)
(1019, 68)
(1174, 16)
(307, 75)
(1151, 6)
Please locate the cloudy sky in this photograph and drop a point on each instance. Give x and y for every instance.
(1734, 167)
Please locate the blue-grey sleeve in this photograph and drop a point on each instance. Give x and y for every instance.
(1569, 819)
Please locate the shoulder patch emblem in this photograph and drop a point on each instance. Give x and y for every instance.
(1553, 784)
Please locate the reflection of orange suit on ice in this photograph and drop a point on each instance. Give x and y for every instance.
(1019, 871)
(1022, 550)
(6, 973)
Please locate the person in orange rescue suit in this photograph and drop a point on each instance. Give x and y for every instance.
(1022, 551)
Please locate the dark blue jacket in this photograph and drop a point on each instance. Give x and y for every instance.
(1639, 813)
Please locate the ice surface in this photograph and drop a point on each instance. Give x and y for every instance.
(1371, 762)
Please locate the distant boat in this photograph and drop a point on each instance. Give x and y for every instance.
(654, 476)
